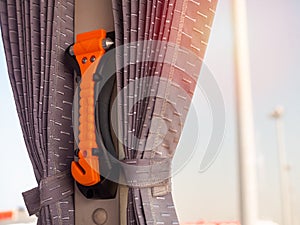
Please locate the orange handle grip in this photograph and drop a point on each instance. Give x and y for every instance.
(88, 51)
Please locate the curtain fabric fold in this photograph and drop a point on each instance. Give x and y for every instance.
(35, 35)
(160, 48)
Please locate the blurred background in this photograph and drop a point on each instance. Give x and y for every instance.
(212, 195)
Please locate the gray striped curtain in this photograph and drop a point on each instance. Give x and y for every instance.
(35, 34)
(160, 48)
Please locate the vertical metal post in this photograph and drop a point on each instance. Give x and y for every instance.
(283, 169)
(246, 146)
(93, 15)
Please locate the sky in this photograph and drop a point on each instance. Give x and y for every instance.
(274, 34)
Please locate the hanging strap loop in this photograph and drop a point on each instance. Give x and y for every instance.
(149, 173)
(50, 190)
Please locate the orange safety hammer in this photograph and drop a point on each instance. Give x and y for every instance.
(88, 50)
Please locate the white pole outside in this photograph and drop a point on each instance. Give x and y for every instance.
(246, 146)
(284, 169)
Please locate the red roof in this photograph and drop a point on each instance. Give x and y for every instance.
(6, 215)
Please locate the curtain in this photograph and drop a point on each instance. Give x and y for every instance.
(160, 49)
(35, 35)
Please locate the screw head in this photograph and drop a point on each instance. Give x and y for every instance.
(93, 59)
(84, 60)
(100, 216)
